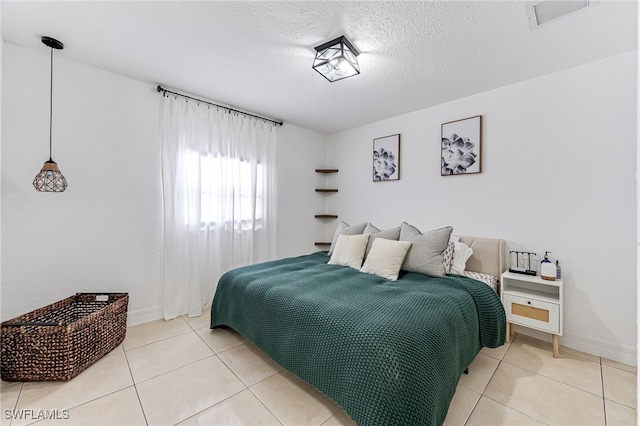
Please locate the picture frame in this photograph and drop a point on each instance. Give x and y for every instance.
(386, 158)
(461, 143)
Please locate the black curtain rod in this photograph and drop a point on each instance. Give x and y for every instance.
(165, 91)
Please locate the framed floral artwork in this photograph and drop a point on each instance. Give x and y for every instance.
(386, 158)
(461, 143)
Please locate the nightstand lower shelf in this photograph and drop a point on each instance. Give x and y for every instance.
(555, 340)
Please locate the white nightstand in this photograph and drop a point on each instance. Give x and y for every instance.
(532, 302)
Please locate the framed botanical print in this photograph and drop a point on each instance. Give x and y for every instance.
(386, 158)
(461, 142)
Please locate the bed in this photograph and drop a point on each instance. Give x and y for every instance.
(388, 352)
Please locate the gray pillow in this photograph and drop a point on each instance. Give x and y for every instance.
(344, 228)
(425, 255)
(373, 232)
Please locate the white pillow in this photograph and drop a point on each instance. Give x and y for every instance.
(349, 250)
(461, 254)
(386, 258)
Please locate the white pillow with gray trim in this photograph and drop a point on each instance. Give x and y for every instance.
(425, 255)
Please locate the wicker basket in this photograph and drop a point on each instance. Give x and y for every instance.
(59, 341)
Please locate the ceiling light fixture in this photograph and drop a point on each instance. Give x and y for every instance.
(50, 178)
(337, 59)
(541, 12)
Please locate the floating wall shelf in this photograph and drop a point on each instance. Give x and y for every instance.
(324, 215)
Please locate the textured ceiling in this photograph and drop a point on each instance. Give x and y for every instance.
(257, 55)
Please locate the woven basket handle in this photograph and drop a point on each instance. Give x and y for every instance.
(20, 324)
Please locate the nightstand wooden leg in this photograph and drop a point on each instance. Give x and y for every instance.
(508, 339)
(556, 345)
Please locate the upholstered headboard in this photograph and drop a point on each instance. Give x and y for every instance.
(488, 255)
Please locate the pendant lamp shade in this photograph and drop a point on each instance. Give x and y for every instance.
(337, 59)
(50, 179)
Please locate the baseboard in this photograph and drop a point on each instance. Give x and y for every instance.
(142, 316)
(623, 354)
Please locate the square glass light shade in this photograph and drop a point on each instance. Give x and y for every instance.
(50, 178)
(337, 59)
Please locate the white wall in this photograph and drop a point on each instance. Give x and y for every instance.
(559, 174)
(104, 233)
(300, 152)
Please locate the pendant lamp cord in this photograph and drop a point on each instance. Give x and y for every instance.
(50, 103)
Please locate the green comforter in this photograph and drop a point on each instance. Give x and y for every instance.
(389, 353)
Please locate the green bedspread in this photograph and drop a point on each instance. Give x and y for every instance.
(389, 353)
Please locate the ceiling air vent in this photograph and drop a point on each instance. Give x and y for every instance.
(541, 12)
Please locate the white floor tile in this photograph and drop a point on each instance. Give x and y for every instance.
(620, 415)
(167, 355)
(480, 372)
(536, 356)
(544, 399)
(489, 412)
(116, 409)
(154, 331)
(293, 401)
(249, 363)
(175, 396)
(620, 386)
(221, 339)
(108, 375)
(498, 352)
(241, 409)
(340, 419)
(8, 399)
(461, 406)
(202, 321)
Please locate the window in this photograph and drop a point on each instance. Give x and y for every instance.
(231, 191)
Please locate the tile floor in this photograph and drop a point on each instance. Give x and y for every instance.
(180, 372)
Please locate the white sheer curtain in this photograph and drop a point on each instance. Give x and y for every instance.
(219, 196)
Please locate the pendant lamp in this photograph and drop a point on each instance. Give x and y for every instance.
(337, 59)
(50, 178)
